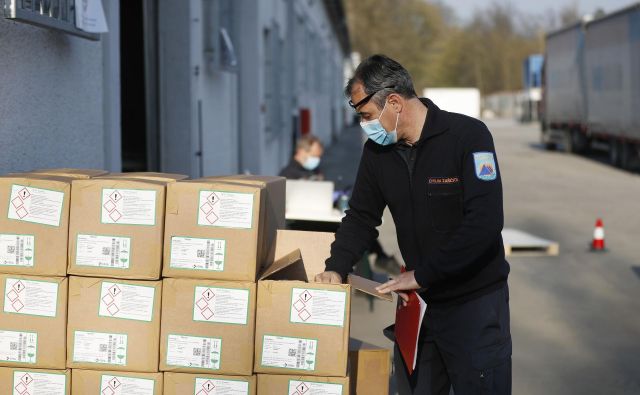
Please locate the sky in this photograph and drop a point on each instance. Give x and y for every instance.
(464, 8)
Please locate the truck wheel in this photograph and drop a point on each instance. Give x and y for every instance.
(625, 155)
(548, 145)
(579, 141)
(614, 152)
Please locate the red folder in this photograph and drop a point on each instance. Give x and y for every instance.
(408, 321)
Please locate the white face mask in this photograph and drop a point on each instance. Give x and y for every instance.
(376, 132)
(311, 163)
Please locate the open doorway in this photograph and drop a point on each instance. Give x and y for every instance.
(138, 85)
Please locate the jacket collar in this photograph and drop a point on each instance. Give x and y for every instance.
(436, 122)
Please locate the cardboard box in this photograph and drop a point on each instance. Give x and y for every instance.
(215, 317)
(303, 327)
(34, 224)
(289, 384)
(149, 175)
(33, 321)
(35, 381)
(201, 384)
(112, 383)
(113, 324)
(369, 368)
(213, 230)
(71, 172)
(116, 228)
(274, 211)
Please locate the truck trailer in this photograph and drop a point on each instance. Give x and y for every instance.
(592, 86)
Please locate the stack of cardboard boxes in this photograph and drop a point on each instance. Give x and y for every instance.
(233, 314)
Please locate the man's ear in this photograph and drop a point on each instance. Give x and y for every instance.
(396, 101)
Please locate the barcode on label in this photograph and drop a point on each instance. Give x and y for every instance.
(11, 249)
(13, 346)
(197, 352)
(293, 352)
(106, 251)
(103, 348)
(200, 253)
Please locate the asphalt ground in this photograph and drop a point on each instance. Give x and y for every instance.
(575, 318)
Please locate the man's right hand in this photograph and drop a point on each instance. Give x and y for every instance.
(328, 278)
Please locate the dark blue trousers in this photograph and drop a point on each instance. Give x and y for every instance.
(465, 346)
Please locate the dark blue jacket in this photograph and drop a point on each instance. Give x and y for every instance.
(445, 196)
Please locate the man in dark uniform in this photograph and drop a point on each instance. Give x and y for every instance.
(306, 160)
(437, 172)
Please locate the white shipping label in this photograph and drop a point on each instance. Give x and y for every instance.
(289, 352)
(225, 209)
(16, 250)
(103, 251)
(197, 254)
(205, 386)
(30, 297)
(129, 206)
(194, 352)
(133, 302)
(18, 346)
(224, 305)
(33, 383)
(318, 306)
(96, 347)
(40, 206)
(313, 388)
(122, 385)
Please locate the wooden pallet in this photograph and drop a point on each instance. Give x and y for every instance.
(519, 243)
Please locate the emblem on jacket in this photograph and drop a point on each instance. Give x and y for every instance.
(485, 165)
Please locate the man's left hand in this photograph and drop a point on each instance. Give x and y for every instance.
(403, 282)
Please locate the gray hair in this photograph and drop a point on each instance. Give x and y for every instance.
(380, 73)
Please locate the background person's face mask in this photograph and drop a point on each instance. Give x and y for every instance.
(376, 132)
(311, 163)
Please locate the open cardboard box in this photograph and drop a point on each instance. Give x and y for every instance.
(303, 326)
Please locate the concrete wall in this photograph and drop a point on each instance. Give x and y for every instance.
(51, 100)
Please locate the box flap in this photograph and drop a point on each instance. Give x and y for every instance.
(315, 248)
(288, 267)
(367, 286)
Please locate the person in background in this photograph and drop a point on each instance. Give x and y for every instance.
(305, 166)
(306, 160)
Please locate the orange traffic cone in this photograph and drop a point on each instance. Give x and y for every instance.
(598, 237)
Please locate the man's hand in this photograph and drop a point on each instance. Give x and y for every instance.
(403, 282)
(328, 278)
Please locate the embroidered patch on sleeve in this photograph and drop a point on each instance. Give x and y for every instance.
(485, 165)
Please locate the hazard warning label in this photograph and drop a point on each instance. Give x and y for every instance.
(18, 346)
(30, 297)
(103, 251)
(194, 352)
(34, 383)
(132, 302)
(289, 352)
(225, 209)
(97, 347)
(129, 206)
(318, 306)
(197, 254)
(40, 206)
(122, 385)
(16, 250)
(223, 305)
(313, 388)
(205, 386)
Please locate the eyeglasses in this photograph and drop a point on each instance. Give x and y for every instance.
(367, 98)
